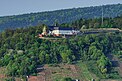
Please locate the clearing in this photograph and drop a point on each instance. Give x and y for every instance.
(56, 72)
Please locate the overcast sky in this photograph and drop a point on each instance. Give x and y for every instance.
(15, 7)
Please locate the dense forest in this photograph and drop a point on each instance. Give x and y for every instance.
(61, 16)
(95, 23)
(21, 51)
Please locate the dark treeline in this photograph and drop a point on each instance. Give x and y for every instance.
(96, 23)
(21, 51)
(61, 16)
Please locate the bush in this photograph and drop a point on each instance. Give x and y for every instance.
(10, 79)
(66, 79)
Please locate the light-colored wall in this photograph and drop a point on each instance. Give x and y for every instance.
(65, 32)
(55, 32)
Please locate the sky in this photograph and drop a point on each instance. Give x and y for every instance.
(16, 7)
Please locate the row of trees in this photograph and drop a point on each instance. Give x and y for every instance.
(96, 23)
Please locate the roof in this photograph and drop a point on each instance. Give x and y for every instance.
(59, 28)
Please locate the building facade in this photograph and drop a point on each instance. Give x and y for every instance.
(59, 31)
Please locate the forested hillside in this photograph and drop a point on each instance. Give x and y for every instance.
(60, 16)
(21, 51)
(96, 23)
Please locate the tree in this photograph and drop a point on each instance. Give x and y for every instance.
(67, 56)
(42, 57)
(104, 64)
(47, 58)
(95, 53)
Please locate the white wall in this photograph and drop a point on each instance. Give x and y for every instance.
(65, 32)
(55, 32)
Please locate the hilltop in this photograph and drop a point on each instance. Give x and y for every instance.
(60, 16)
(85, 57)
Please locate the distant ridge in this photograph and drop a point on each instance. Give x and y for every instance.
(61, 16)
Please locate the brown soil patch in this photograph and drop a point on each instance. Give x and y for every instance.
(32, 78)
(49, 73)
(2, 76)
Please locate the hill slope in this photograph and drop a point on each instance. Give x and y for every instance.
(61, 16)
(21, 52)
(96, 23)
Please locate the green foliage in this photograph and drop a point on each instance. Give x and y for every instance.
(22, 51)
(92, 67)
(114, 74)
(96, 23)
(104, 64)
(10, 79)
(66, 79)
(66, 56)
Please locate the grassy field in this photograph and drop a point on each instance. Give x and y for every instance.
(86, 74)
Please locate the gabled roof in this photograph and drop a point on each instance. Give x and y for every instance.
(59, 28)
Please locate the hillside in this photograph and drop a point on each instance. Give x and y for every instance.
(96, 23)
(61, 16)
(21, 52)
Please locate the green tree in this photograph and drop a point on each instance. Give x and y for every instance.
(42, 57)
(104, 64)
